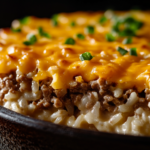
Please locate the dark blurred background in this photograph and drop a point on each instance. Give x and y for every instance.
(13, 9)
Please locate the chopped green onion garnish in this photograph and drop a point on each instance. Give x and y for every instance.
(46, 35)
(102, 20)
(43, 33)
(24, 20)
(55, 16)
(31, 40)
(131, 25)
(55, 23)
(15, 30)
(122, 51)
(80, 36)
(72, 23)
(89, 30)
(70, 41)
(127, 40)
(55, 20)
(135, 24)
(133, 52)
(27, 43)
(110, 37)
(86, 56)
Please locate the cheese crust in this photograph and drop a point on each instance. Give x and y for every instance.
(55, 59)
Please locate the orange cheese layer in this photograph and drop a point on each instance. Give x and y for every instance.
(55, 59)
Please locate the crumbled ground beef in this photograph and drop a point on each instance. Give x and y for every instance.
(68, 98)
(69, 106)
(57, 103)
(77, 87)
(60, 93)
(127, 93)
(21, 78)
(47, 90)
(76, 98)
(92, 102)
(8, 83)
(43, 103)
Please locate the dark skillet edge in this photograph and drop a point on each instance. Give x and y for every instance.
(48, 127)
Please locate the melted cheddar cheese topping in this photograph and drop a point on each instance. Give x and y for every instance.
(61, 61)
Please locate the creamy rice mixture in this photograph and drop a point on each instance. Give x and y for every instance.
(99, 105)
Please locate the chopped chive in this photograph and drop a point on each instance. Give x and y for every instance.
(122, 51)
(131, 25)
(90, 30)
(15, 30)
(127, 40)
(46, 35)
(86, 56)
(102, 20)
(43, 33)
(55, 20)
(55, 16)
(40, 30)
(109, 37)
(24, 20)
(70, 41)
(55, 23)
(133, 52)
(31, 39)
(80, 36)
(27, 43)
(135, 24)
(72, 24)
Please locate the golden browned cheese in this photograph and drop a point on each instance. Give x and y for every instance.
(60, 61)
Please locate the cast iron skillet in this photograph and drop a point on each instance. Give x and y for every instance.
(18, 132)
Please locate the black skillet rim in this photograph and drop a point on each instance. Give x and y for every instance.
(48, 127)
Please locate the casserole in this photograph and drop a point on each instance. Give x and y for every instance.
(84, 70)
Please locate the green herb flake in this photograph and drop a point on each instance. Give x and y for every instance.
(70, 41)
(31, 39)
(15, 30)
(90, 30)
(72, 24)
(131, 25)
(102, 20)
(86, 56)
(127, 40)
(55, 20)
(43, 33)
(80, 36)
(24, 20)
(109, 37)
(122, 51)
(27, 43)
(133, 52)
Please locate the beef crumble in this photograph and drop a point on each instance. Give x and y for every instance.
(68, 98)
